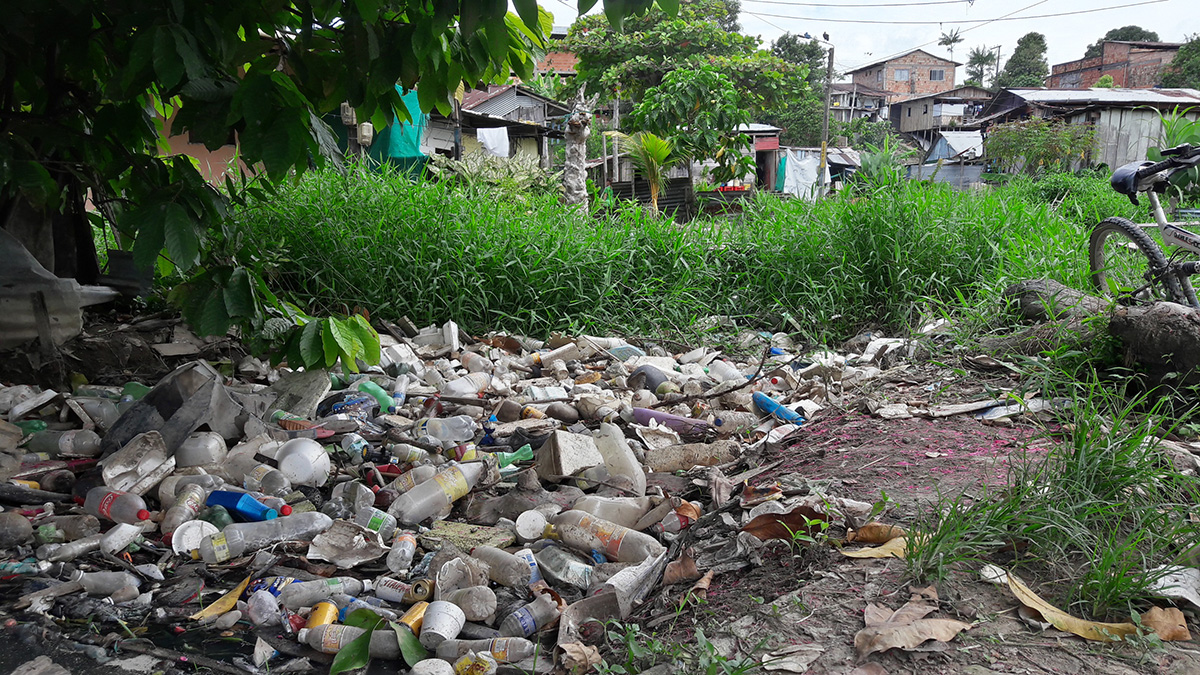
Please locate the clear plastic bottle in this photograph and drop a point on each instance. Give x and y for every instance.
(268, 480)
(308, 593)
(476, 363)
(74, 443)
(564, 569)
(457, 429)
(331, 637)
(377, 521)
(723, 371)
(188, 504)
(531, 618)
(70, 550)
(467, 386)
(410, 479)
(105, 583)
(504, 650)
(103, 411)
(115, 505)
(348, 603)
(619, 458)
(620, 543)
(169, 489)
(239, 538)
(357, 495)
(391, 590)
(504, 568)
(404, 546)
(400, 392)
(437, 495)
(355, 447)
(478, 603)
(76, 527)
(624, 511)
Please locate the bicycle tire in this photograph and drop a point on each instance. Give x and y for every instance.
(1167, 287)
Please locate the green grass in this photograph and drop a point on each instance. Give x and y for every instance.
(520, 262)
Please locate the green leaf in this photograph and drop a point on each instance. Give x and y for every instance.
(497, 40)
(367, 336)
(167, 62)
(348, 344)
(239, 296)
(585, 6)
(368, 9)
(35, 182)
(150, 237)
(180, 232)
(615, 11)
(311, 351)
(328, 343)
(358, 652)
(671, 7)
(528, 10)
(214, 319)
(410, 647)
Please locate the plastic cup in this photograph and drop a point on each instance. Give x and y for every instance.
(530, 526)
(304, 462)
(187, 537)
(443, 621)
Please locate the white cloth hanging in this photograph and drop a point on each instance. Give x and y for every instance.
(494, 140)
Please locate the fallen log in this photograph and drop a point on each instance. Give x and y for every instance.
(1162, 338)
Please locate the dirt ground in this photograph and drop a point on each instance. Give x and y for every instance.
(813, 601)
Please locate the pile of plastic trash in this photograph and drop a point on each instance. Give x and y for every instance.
(497, 500)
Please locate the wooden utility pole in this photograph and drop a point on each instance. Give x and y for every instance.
(825, 122)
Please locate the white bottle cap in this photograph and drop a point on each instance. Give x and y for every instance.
(301, 634)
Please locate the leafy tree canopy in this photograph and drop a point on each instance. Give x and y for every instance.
(795, 49)
(1027, 65)
(1126, 33)
(626, 64)
(1184, 70)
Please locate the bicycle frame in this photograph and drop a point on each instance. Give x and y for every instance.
(1172, 235)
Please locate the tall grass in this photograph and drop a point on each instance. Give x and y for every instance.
(488, 260)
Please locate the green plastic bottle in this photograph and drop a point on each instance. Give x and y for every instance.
(524, 454)
(368, 387)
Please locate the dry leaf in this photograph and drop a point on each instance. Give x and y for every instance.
(1092, 630)
(683, 569)
(892, 549)
(589, 377)
(578, 657)
(753, 495)
(794, 659)
(699, 590)
(785, 525)
(875, 614)
(912, 611)
(869, 669)
(928, 593)
(720, 487)
(905, 636)
(1168, 623)
(875, 533)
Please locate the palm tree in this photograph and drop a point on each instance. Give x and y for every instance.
(978, 62)
(652, 155)
(949, 40)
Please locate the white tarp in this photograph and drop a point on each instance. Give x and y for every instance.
(494, 140)
(800, 174)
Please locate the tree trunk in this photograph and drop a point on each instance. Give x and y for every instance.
(579, 127)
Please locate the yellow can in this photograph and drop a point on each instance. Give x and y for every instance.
(322, 613)
(415, 616)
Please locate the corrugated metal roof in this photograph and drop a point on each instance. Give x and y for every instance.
(756, 128)
(965, 143)
(1098, 95)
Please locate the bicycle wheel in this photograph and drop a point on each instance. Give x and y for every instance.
(1118, 253)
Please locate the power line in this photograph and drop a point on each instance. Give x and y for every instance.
(840, 5)
(956, 21)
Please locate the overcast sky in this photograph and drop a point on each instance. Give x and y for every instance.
(857, 44)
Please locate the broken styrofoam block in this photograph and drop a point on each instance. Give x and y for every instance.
(566, 454)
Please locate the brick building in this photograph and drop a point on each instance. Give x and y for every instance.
(917, 73)
(557, 61)
(1133, 65)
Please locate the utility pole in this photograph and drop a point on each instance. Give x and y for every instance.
(996, 64)
(825, 121)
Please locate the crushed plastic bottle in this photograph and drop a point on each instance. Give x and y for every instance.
(436, 495)
(115, 505)
(240, 538)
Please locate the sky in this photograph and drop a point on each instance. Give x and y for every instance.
(857, 44)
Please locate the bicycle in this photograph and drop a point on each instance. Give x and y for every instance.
(1117, 245)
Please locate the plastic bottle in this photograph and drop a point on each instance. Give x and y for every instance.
(620, 543)
(723, 371)
(404, 546)
(619, 458)
(391, 590)
(115, 505)
(770, 406)
(675, 422)
(239, 538)
(169, 489)
(348, 603)
(307, 593)
(504, 568)
(400, 392)
(504, 650)
(477, 602)
(74, 443)
(436, 495)
(355, 447)
(338, 509)
(105, 583)
(527, 620)
(304, 462)
(187, 506)
(103, 411)
(523, 454)
(410, 479)
(217, 515)
(278, 503)
(376, 391)
(76, 527)
(476, 363)
(241, 505)
(357, 495)
(331, 637)
(467, 386)
(268, 480)
(72, 549)
(624, 511)
(263, 608)
(562, 568)
(455, 429)
(403, 453)
(377, 521)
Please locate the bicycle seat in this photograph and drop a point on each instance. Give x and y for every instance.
(1125, 180)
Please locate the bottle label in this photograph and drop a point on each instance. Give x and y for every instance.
(220, 547)
(254, 478)
(389, 589)
(535, 573)
(524, 618)
(453, 483)
(404, 537)
(405, 482)
(609, 534)
(499, 649)
(461, 453)
(531, 413)
(331, 641)
(376, 521)
(104, 508)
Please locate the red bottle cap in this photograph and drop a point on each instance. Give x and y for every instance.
(286, 510)
(143, 515)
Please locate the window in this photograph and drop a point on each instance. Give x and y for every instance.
(910, 111)
(902, 75)
(879, 75)
(937, 75)
(926, 109)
